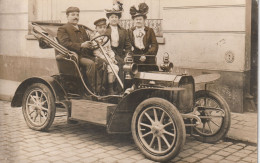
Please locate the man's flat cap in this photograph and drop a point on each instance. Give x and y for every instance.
(72, 9)
(101, 21)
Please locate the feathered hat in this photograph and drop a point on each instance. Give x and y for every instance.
(117, 9)
(143, 10)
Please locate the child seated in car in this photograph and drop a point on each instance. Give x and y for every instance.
(100, 30)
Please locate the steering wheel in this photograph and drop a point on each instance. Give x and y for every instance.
(101, 40)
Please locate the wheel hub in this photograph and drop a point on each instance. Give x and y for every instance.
(157, 129)
(38, 106)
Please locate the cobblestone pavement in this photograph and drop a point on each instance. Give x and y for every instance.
(88, 143)
(246, 122)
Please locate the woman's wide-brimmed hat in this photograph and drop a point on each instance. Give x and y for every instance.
(116, 9)
(142, 10)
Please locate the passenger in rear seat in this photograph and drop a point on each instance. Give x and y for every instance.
(142, 38)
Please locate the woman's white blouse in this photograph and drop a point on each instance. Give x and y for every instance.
(114, 36)
(139, 35)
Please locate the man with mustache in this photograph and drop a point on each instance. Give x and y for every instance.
(75, 38)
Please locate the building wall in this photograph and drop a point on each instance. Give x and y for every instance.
(13, 26)
(209, 36)
(21, 58)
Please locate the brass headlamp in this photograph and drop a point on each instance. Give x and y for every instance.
(166, 66)
(130, 67)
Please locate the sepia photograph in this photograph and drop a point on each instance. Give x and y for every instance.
(129, 81)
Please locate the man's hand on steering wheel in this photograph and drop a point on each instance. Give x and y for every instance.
(101, 40)
(87, 44)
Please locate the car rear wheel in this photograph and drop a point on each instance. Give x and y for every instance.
(158, 129)
(215, 116)
(38, 107)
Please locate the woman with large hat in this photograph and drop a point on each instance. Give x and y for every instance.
(119, 37)
(143, 39)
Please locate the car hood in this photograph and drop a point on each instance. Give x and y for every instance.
(162, 76)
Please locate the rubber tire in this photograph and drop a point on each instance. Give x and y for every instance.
(226, 121)
(51, 102)
(177, 118)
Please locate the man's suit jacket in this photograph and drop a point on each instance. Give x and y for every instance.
(72, 38)
(124, 42)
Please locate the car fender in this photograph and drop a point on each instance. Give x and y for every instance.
(120, 119)
(206, 78)
(50, 81)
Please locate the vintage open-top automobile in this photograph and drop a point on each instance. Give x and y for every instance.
(158, 107)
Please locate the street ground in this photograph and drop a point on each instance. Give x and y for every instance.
(84, 142)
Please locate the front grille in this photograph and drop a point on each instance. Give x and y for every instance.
(186, 97)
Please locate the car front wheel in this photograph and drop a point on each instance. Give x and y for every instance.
(215, 117)
(158, 129)
(38, 107)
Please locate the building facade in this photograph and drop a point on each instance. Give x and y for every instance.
(203, 36)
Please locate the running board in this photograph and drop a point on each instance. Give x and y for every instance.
(90, 111)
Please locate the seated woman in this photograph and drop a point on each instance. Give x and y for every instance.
(143, 40)
(120, 42)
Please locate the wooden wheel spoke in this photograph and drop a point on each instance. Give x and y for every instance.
(155, 115)
(168, 133)
(167, 124)
(150, 119)
(159, 144)
(43, 108)
(37, 96)
(222, 114)
(209, 127)
(43, 115)
(148, 133)
(152, 141)
(166, 141)
(146, 125)
(43, 102)
(40, 118)
(31, 112)
(33, 99)
(214, 123)
(41, 96)
(216, 106)
(32, 105)
(205, 101)
(203, 128)
(162, 117)
(34, 118)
